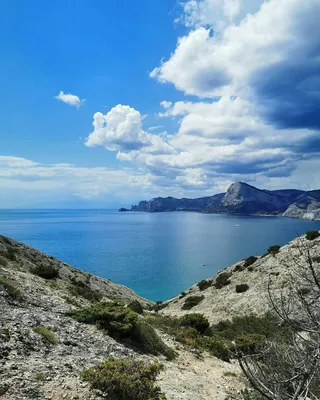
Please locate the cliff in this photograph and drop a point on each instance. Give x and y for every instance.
(242, 199)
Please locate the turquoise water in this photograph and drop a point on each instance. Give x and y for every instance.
(157, 255)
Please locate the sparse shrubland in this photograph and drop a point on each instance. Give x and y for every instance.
(204, 284)
(45, 271)
(286, 365)
(136, 306)
(82, 289)
(125, 379)
(311, 235)
(125, 325)
(196, 321)
(46, 333)
(249, 261)
(191, 302)
(223, 339)
(223, 279)
(10, 287)
(242, 287)
(274, 249)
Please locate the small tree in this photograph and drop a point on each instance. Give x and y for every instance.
(289, 368)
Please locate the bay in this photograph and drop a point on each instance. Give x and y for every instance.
(157, 255)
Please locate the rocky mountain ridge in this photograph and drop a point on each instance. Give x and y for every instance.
(242, 199)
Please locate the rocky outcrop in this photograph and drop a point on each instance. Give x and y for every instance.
(242, 199)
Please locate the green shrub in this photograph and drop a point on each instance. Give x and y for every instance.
(267, 325)
(10, 287)
(243, 287)
(182, 295)
(112, 316)
(274, 249)
(11, 253)
(46, 271)
(46, 333)
(249, 261)
(79, 288)
(238, 268)
(148, 341)
(219, 348)
(316, 259)
(192, 301)
(125, 379)
(222, 279)
(136, 307)
(250, 343)
(159, 306)
(122, 323)
(188, 337)
(196, 321)
(204, 284)
(311, 235)
(3, 261)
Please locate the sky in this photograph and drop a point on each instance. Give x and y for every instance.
(106, 103)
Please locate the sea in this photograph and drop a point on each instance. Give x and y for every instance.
(157, 255)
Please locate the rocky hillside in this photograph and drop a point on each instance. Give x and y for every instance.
(44, 350)
(242, 288)
(245, 199)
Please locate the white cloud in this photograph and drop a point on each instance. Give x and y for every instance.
(208, 64)
(25, 180)
(121, 130)
(217, 13)
(155, 128)
(70, 99)
(166, 104)
(257, 64)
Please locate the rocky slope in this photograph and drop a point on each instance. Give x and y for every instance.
(242, 198)
(255, 275)
(31, 367)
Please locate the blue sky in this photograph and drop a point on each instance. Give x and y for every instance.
(187, 97)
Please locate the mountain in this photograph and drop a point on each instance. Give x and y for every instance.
(242, 199)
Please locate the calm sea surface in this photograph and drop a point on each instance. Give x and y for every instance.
(157, 255)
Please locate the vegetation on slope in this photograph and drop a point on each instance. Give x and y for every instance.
(223, 339)
(125, 379)
(124, 325)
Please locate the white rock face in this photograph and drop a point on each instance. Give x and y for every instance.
(310, 211)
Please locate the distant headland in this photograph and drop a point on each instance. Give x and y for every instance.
(242, 199)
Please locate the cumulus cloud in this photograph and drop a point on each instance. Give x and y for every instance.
(255, 67)
(270, 57)
(121, 130)
(70, 99)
